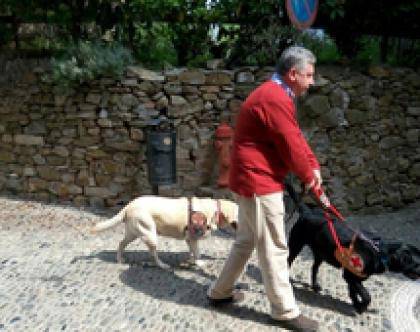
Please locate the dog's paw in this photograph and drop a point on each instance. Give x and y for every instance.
(316, 288)
(360, 307)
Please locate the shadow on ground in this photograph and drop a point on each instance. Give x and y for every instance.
(169, 286)
(143, 257)
(143, 276)
(306, 295)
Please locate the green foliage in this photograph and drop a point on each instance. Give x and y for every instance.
(200, 60)
(86, 61)
(264, 44)
(269, 43)
(405, 53)
(324, 47)
(6, 34)
(154, 46)
(400, 52)
(248, 11)
(369, 52)
(171, 31)
(193, 44)
(335, 8)
(261, 44)
(152, 10)
(176, 32)
(348, 20)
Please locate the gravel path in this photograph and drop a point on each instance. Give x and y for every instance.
(57, 277)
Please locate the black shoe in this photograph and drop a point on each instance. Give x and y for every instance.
(300, 324)
(236, 297)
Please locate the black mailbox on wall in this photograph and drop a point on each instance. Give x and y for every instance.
(161, 152)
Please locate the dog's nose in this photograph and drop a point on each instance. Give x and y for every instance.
(198, 231)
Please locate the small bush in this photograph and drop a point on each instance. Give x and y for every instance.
(261, 44)
(369, 50)
(200, 60)
(154, 45)
(264, 45)
(323, 46)
(87, 61)
(404, 52)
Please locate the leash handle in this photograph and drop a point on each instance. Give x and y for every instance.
(322, 199)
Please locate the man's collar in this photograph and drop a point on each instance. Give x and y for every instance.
(277, 79)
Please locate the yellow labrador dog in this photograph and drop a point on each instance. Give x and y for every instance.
(181, 218)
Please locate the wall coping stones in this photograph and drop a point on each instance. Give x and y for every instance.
(144, 74)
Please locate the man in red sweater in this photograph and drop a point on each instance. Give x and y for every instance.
(268, 144)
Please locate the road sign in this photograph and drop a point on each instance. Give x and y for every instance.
(302, 13)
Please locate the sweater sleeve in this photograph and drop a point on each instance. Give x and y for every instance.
(288, 138)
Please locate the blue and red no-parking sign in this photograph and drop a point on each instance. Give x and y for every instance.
(302, 13)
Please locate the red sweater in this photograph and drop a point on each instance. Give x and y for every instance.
(268, 144)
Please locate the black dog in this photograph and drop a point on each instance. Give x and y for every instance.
(377, 256)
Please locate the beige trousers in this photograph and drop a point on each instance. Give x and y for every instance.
(261, 225)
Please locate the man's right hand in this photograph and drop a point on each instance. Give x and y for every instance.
(318, 194)
(314, 184)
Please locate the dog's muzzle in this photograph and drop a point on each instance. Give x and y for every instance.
(197, 226)
(197, 232)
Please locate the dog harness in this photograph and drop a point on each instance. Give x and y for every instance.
(218, 214)
(347, 257)
(197, 222)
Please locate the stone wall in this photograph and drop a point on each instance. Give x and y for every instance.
(88, 146)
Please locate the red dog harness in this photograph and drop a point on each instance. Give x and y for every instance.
(218, 214)
(347, 257)
(197, 222)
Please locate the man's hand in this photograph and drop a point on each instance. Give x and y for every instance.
(317, 174)
(315, 189)
(314, 184)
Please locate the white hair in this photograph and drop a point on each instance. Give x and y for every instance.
(294, 56)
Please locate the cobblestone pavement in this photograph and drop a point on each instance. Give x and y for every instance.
(55, 276)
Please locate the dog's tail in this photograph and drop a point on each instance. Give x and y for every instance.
(109, 223)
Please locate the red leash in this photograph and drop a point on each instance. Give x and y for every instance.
(348, 258)
(326, 205)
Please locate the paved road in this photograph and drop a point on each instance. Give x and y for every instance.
(54, 276)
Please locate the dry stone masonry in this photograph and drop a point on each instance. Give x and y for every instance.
(87, 146)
